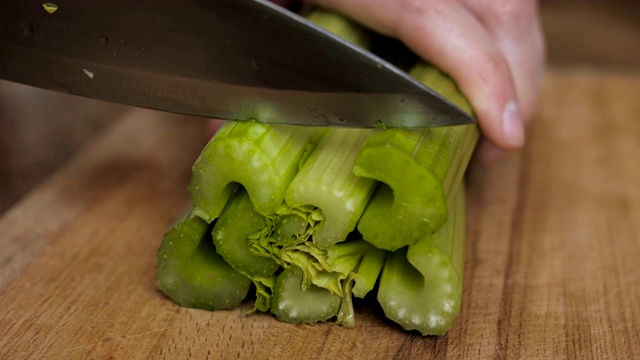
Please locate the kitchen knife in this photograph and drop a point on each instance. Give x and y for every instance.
(228, 59)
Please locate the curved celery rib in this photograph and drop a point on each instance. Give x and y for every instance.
(263, 158)
(231, 236)
(421, 287)
(411, 202)
(192, 274)
(294, 305)
(420, 170)
(231, 233)
(326, 182)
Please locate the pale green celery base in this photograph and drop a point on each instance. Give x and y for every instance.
(289, 228)
(421, 288)
(292, 304)
(326, 182)
(264, 159)
(332, 269)
(192, 274)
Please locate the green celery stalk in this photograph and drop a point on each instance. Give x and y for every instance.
(446, 87)
(270, 154)
(419, 169)
(325, 199)
(293, 304)
(421, 286)
(274, 205)
(326, 182)
(263, 158)
(324, 202)
(231, 233)
(192, 274)
(317, 283)
(368, 272)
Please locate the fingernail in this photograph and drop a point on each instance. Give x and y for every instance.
(512, 126)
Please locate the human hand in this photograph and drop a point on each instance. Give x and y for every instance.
(493, 49)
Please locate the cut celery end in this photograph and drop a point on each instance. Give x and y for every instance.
(421, 288)
(409, 203)
(421, 170)
(326, 182)
(368, 272)
(293, 305)
(263, 158)
(192, 274)
(427, 303)
(231, 233)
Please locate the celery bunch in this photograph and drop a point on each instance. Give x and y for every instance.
(307, 218)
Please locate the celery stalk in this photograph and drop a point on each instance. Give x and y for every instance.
(270, 154)
(263, 158)
(277, 206)
(192, 274)
(293, 304)
(317, 283)
(231, 233)
(421, 286)
(323, 203)
(327, 183)
(419, 170)
(368, 272)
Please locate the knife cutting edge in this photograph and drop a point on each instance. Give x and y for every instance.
(227, 59)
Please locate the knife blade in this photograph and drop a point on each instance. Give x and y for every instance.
(227, 59)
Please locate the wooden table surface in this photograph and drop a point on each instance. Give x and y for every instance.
(551, 258)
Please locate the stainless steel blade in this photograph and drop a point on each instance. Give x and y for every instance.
(228, 59)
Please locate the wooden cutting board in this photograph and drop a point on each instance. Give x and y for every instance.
(551, 257)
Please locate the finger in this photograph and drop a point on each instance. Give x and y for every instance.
(516, 30)
(447, 34)
(487, 153)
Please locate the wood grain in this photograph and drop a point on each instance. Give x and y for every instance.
(600, 34)
(550, 264)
